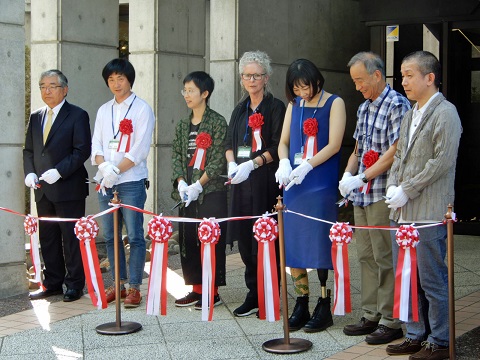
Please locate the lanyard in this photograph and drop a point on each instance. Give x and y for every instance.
(113, 129)
(246, 125)
(369, 135)
(301, 117)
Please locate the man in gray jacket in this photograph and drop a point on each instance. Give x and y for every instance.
(419, 188)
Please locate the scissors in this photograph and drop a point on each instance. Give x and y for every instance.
(185, 197)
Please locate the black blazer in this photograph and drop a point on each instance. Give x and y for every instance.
(68, 146)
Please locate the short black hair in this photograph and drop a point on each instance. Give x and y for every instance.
(201, 80)
(119, 66)
(302, 71)
(427, 63)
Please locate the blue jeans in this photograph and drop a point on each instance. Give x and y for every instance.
(130, 193)
(432, 286)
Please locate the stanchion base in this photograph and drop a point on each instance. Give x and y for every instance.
(111, 328)
(278, 346)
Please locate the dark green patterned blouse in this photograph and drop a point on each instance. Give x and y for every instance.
(215, 163)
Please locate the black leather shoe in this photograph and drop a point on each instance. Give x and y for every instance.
(72, 295)
(39, 294)
(408, 346)
(300, 314)
(364, 327)
(383, 335)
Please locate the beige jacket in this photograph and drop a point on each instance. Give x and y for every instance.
(426, 169)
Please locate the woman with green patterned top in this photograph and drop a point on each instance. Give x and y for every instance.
(197, 163)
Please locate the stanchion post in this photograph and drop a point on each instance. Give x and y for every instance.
(116, 261)
(286, 345)
(117, 327)
(451, 283)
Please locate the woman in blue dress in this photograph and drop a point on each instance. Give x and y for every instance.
(310, 143)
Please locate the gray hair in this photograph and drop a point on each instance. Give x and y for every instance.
(372, 62)
(62, 79)
(260, 58)
(427, 63)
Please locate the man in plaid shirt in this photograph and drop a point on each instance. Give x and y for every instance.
(376, 136)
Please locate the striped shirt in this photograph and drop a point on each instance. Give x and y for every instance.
(377, 129)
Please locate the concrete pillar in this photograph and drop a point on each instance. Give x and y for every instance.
(166, 42)
(430, 42)
(78, 38)
(12, 196)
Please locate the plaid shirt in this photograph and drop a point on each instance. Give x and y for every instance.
(378, 127)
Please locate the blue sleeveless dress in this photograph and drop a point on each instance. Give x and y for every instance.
(307, 244)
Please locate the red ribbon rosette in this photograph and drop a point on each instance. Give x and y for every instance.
(86, 230)
(369, 158)
(126, 128)
(30, 226)
(310, 129)
(341, 236)
(203, 142)
(407, 238)
(160, 230)
(208, 233)
(255, 121)
(265, 232)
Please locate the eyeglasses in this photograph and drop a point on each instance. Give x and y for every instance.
(255, 76)
(49, 88)
(188, 92)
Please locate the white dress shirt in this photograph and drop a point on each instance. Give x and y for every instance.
(106, 129)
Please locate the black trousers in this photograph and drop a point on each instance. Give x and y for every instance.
(60, 247)
(213, 205)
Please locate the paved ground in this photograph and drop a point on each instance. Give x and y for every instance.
(56, 330)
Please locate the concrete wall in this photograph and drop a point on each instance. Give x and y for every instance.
(167, 41)
(79, 38)
(12, 72)
(326, 32)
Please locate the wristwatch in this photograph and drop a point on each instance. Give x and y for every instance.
(363, 177)
(255, 164)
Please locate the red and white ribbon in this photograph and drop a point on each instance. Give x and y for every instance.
(265, 232)
(255, 121)
(407, 238)
(203, 142)
(208, 234)
(160, 230)
(126, 128)
(86, 230)
(310, 147)
(257, 139)
(310, 129)
(341, 236)
(30, 225)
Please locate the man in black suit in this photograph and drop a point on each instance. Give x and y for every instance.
(57, 143)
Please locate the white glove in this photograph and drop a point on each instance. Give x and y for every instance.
(341, 183)
(242, 172)
(283, 172)
(298, 174)
(398, 199)
(193, 191)
(350, 183)
(50, 176)
(31, 180)
(103, 167)
(182, 189)
(390, 191)
(232, 169)
(110, 180)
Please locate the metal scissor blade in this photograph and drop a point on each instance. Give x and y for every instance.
(177, 205)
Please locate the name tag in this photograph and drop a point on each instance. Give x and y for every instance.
(113, 144)
(297, 160)
(244, 152)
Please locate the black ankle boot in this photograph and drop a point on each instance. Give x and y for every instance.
(321, 317)
(300, 314)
